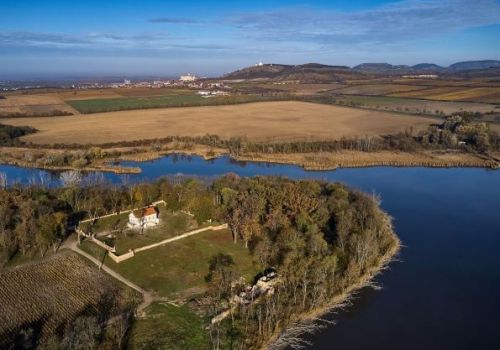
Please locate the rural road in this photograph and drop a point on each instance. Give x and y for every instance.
(72, 243)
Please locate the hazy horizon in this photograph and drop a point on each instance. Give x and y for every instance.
(60, 39)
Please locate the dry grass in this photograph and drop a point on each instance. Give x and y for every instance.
(67, 94)
(86, 94)
(377, 89)
(485, 94)
(264, 121)
(301, 89)
(413, 105)
(355, 159)
(36, 158)
(28, 104)
(473, 94)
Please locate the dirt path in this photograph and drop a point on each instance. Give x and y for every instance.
(72, 243)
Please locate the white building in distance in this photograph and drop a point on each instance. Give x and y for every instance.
(187, 78)
(421, 76)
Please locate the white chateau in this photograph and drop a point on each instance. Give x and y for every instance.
(188, 78)
(145, 217)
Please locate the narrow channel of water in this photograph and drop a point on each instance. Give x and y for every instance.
(445, 292)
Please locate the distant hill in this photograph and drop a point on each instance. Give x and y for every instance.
(260, 71)
(470, 65)
(305, 73)
(427, 67)
(386, 68)
(321, 73)
(380, 68)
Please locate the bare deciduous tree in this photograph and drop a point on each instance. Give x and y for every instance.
(3, 180)
(70, 178)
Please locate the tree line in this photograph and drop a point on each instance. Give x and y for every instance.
(34, 218)
(320, 237)
(52, 113)
(9, 135)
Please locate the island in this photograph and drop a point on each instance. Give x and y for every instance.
(235, 262)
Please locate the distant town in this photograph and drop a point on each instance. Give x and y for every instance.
(186, 81)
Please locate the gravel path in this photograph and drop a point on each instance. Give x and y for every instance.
(72, 243)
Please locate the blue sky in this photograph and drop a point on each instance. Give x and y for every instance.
(165, 38)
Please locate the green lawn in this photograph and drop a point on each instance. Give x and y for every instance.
(171, 224)
(177, 100)
(124, 239)
(169, 327)
(109, 223)
(93, 249)
(181, 265)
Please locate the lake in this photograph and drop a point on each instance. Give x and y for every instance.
(444, 293)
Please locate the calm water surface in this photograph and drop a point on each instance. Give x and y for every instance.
(445, 292)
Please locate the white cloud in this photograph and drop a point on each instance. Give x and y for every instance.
(404, 20)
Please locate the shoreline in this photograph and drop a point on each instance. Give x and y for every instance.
(356, 159)
(103, 169)
(337, 301)
(321, 161)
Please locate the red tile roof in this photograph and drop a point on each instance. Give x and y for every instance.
(149, 211)
(145, 212)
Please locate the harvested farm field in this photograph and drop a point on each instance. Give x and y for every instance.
(46, 294)
(377, 89)
(32, 105)
(413, 105)
(469, 94)
(262, 121)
